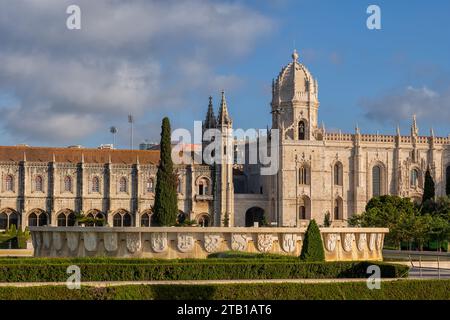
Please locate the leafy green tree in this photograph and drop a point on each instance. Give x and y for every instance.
(165, 208)
(421, 231)
(391, 212)
(440, 230)
(428, 189)
(312, 250)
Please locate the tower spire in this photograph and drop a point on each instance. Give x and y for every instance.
(224, 118)
(210, 121)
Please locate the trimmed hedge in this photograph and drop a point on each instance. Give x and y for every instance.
(29, 270)
(391, 290)
(312, 249)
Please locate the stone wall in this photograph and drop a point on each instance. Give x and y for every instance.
(341, 244)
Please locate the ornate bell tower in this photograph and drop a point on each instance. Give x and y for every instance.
(295, 102)
(224, 197)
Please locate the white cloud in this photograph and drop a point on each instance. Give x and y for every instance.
(401, 104)
(129, 56)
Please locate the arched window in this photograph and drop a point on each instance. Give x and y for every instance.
(3, 221)
(38, 185)
(66, 218)
(376, 181)
(338, 208)
(123, 184)
(9, 183)
(301, 130)
(95, 184)
(414, 178)
(126, 220)
(338, 174)
(67, 184)
(122, 219)
(203, 187)
(71, 219)
(150, 185)
(13, 219)
(42, 220)
(145, 220)
(37, 218)
(203, 220)
(303, 175)
(302, 213)
(62, 220)
(181, 217)
(447, 182)
(32, 220)
(117, 220)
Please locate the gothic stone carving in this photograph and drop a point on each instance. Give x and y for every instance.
(90, 241)
(185, 242)
(265, 242)
(159, 241)
(288, 242)
(362, 240)
(348, 240)
(331, 241)
(238, 242)
(212, 242)
(110, 241)
(133, 242)
(72, 240)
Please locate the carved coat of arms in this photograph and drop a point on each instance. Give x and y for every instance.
(212, 242)
(331, 241)
(185, 242)
(110, 241)
(72, 240)
(265, 242)
(348, 240)
(158, 241)
(134, 242)
(362, 240)
(90, 241)
(238, 242)
(288, 242)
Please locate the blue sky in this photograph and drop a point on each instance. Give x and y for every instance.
(61, 87)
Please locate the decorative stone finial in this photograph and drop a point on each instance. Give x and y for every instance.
(414, 127)
(295, 55)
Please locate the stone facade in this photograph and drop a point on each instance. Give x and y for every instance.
(341, 244)
(320, 172)
(48, 186)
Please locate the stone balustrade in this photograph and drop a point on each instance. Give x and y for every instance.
(341, 244)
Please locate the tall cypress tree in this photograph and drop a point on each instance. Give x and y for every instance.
(165, 208)
(428, 188)
(312, 249)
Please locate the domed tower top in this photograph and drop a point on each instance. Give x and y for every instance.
(295, 102)
(294, 83)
